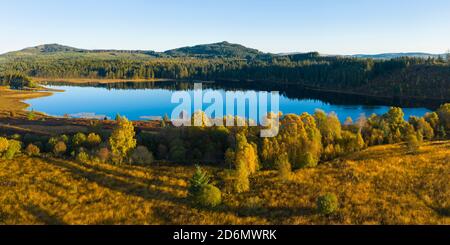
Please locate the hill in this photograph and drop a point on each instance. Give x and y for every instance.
(214, 50)
(381, 185)
(222, 49)
(56, 52)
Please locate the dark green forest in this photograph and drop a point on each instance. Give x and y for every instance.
(396, 77)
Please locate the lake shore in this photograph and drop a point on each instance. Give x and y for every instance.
(318, 89)
(95, 80)
(12, 100)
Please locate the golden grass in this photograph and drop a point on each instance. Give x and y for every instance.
(382, 185)
(12, 100)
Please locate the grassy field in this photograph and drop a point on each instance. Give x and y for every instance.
(381, 185)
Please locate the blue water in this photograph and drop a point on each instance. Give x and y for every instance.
(138, 104)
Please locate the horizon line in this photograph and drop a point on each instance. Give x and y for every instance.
(274, 53)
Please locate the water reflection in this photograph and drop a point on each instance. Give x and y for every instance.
(141, 100)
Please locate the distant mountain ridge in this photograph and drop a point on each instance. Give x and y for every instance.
(221, 49)
(397, 55)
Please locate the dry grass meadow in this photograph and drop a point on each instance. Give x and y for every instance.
(381, 185)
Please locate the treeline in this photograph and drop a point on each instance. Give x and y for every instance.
(303, 140)
(396, 77)
(17, 81)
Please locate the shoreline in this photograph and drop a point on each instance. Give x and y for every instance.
(13, 100)
(317, 89)
(96, 80)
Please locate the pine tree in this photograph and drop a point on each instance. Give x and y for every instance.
(200, 179)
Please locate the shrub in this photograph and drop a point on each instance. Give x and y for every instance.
(32, 150)
(141, 155)
(14, 147)
(103, 154)
(4, 144)
(327, 204)
(209, 196)
(83, 157)
(59, 148)
(93, 140)
(16, 137)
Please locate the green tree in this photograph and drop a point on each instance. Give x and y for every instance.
(200, 179)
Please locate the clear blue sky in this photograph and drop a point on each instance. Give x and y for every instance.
(327, 26)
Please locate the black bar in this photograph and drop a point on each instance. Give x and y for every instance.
(152, 234)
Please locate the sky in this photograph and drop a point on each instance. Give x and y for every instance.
(277, 26)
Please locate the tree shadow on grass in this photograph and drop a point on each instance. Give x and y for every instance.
(43, 216)
(116, 184)
(132, 178)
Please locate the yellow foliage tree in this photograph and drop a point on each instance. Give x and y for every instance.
(246, 161)
(4, 144)
(122, 140)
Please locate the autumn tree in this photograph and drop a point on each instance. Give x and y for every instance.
(122, 140)
(59, 148)
(246, 161)
(4, 144)
(422, 127)
(329, 126)
(93, 140)
(14, 147)
(79, 139)
(283, 167)
(444, 117)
